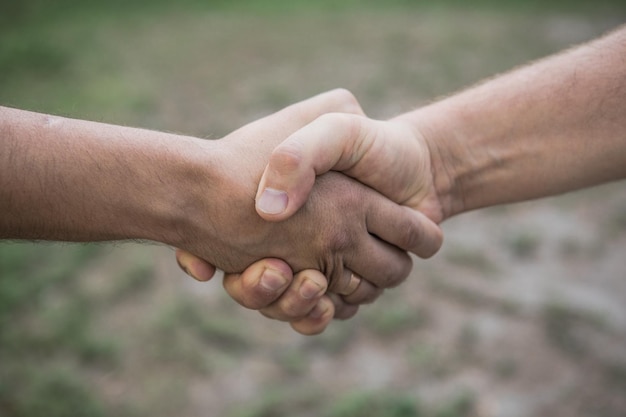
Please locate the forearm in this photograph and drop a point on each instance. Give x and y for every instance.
(551, 127)
(72, 180)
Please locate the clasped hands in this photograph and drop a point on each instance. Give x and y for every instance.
(314, 244)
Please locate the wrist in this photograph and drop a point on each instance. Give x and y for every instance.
(433, 126)
(210, 212)
(184, 200)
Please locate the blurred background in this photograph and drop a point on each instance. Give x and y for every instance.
(523, 312)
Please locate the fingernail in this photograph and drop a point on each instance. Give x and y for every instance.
(185, 269)
(272, 280)
(272, 201)
(201, 272)
(310, 289)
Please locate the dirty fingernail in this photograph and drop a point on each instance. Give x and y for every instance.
(310, 289)
(185, 269)
(272, 280)
(272, 201)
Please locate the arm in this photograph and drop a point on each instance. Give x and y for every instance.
(72, 180)
(551, 127)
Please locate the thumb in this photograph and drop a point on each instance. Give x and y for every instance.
(334, 141)
(195, 267)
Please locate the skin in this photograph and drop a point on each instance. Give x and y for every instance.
(73, 180)
(551, 127)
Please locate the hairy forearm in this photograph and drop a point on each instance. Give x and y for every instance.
(548, 128)
(73, 180)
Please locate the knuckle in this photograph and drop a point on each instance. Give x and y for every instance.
(411, 235)
(334, 280)
(291, 308)
(339, 122)
(334, 272)
(340, 241)
(346, 97)
(287, 157)
(396, 275)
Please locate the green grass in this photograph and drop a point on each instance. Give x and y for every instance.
(524, 245)
(55, 393)
(472, 298)
(563, 323)
(430, 361)
(44, 318)
(399, 404)
(29, 269)
(394, 320)
(366, 404)
(476, 260)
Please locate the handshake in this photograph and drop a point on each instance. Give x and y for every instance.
(345, 234)
(550, 127)
(313, 210)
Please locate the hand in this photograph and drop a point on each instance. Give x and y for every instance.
(269, 286)
(388, 156)
(319, 236)
(320, 151)
(392, 157)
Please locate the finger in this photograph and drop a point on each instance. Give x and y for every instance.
(356, 290)
(347, 284)
(300, 298)
(364, 293)
(380, 263)
(195, 267)
(288, 120)
(405, 228)
(338, 100)
(343, 310)
(260, 284)
(317, 320)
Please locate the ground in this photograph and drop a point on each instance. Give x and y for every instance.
(522, 313)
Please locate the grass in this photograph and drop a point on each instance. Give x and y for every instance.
(279, 402)
(471, 298)
(43, 318)
(476, 260)
(379, 404)
(189, 337)
(394, 320)
(55, 393)
(563, 324)
(524, 245)
(396, 404)
(430, 361)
